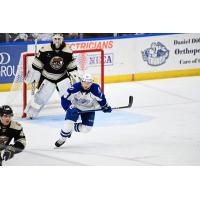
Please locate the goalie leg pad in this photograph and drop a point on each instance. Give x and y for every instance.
(40, 98)
(32, 109)
(63, 86)
(44, 92)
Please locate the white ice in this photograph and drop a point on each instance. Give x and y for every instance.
(162, 128)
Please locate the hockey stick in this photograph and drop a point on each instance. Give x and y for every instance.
(0, 160)
(130, 103)
(33, 84)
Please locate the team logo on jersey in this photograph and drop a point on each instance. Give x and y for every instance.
(3, 139)
(56, 62)
(83, 101)
(156, 55)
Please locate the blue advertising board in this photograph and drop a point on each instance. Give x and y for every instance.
(9, 60)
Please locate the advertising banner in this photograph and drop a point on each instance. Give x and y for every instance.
(167, 53)
(9, 60)
(145, 54)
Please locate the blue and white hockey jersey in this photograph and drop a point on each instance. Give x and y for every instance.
(90, 99)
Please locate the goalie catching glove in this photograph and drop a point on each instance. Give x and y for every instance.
(74, 76)
(106, 109)
(32, 75)
(9, 152)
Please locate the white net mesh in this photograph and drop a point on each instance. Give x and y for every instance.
(91, 63)
(15, 97)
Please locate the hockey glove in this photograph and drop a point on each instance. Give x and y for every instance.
(9, 152)
(32, 75)
(74, 77)
(107, 109)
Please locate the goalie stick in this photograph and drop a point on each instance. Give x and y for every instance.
(33, 84)
(113, 108)
(0, 159)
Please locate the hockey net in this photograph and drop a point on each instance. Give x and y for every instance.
(90, 61)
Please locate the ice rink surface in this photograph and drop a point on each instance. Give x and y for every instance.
(161, 129)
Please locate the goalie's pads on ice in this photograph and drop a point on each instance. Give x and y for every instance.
(32, 75)
(40, 98)
(32, 109)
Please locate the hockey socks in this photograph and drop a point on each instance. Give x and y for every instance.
(77, 127)
(65, 135)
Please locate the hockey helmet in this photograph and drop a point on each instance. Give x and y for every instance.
(87, 78)
(6, 110)
(57, 39)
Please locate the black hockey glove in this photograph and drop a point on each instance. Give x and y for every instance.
(107, 109)
(9, 152)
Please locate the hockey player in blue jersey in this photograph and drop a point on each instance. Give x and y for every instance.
(82, 96)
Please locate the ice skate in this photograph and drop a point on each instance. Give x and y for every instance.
(60, 142)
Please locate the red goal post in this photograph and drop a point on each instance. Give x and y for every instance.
(84, 62)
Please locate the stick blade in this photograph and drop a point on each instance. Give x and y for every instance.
(130, 101)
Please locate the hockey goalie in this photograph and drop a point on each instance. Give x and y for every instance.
(52, 69)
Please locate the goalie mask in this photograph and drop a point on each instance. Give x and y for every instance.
(86, 81)
(57, 39)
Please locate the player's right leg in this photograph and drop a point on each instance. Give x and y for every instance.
(63, 136)
(71, 117)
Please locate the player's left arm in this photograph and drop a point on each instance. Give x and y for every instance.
(19, 141)
(100, 98)
(66, 99)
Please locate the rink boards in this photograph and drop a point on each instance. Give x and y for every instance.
(130, 58)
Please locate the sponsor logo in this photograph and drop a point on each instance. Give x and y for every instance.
(7, 71)
(156, 55)
(4, 58)
(91, 45)
(86, 60)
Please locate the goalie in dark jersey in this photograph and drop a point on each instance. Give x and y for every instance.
(53, 69)
(9, 130)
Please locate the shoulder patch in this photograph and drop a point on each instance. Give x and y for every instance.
(67, 49)
(18, 124)
(46, 48)
(15, 125)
